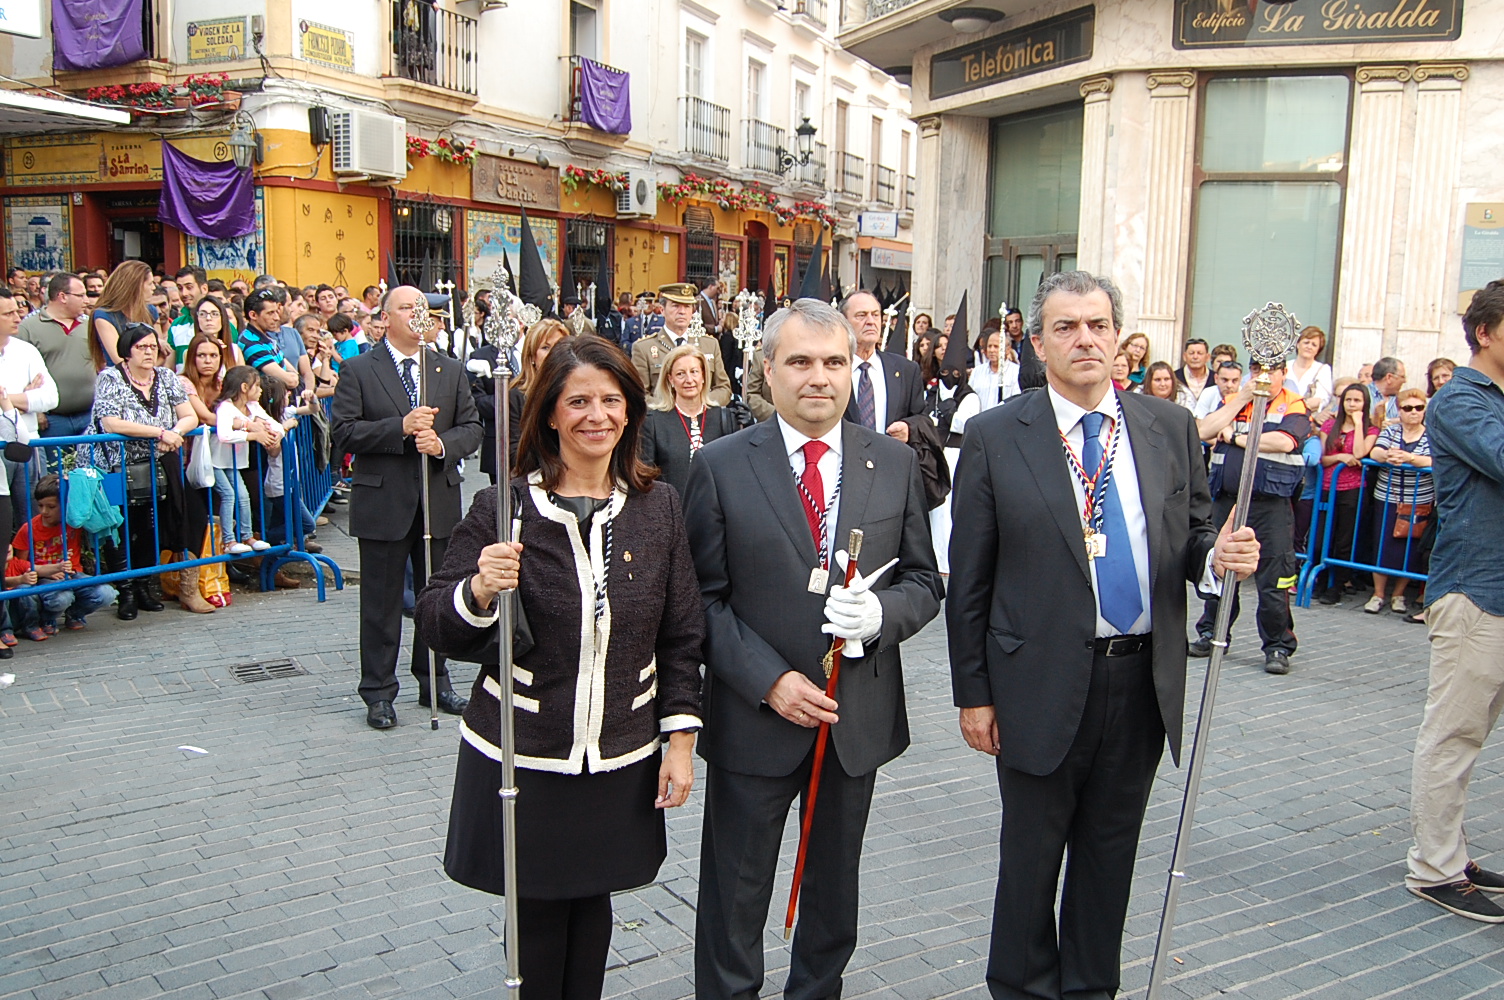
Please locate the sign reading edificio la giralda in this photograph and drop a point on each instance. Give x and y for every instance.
(1205, 24)
(1034, 48)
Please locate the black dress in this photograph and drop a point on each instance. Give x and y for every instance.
(666, 440)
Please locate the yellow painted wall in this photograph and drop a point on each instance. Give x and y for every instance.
(430, 175)
(322, 236)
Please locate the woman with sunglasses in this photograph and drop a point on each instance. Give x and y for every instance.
(1406, 498)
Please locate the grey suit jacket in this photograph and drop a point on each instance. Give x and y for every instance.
(1021, 616)
(753, 553)
(369, 404)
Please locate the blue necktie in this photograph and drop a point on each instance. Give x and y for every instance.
(409, 382)
(866, 400)
(1117, 577)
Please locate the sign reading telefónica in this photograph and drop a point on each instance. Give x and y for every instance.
(1207, 24)
(1043, 45)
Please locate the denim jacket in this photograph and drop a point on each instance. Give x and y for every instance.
(1466, 425)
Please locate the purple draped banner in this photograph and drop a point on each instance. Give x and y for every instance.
(213, 201)
(94, 34)
(605, 98)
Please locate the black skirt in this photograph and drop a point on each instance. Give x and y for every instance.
(577, 834)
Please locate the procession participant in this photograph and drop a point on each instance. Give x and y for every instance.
(756, 392)
(995, 380)
(952, 403)
(648, 354)
(680, 421)
(766, 510)
(604, 580)
(378, 419)
(1277, 477)
(885, 388)
(1068, 653)
(574, 316)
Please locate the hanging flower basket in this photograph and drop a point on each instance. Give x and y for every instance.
(571, 177)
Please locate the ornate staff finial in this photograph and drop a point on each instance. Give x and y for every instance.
(1269, 333)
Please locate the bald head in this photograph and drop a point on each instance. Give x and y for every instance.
(399, 307)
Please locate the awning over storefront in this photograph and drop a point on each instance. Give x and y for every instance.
(24, 113)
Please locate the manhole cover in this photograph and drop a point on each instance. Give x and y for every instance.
(266, 670)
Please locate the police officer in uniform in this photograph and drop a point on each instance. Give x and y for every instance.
(648, 354)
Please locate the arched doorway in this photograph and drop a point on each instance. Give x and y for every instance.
(759, 257)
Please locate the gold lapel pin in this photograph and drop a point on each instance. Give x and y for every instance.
(626, 557)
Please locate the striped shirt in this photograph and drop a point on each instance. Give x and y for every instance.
(1403, 483)
(260, 349)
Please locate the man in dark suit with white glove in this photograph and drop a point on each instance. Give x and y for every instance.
(766, 511)
(394, 440)
(1080, 513)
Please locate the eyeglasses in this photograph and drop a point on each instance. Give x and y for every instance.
(1413, 409)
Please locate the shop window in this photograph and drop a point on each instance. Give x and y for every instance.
(1034, 202)
(804, 249)
(1270, 180)
(586, 240)
(699, 244)
(423, 235)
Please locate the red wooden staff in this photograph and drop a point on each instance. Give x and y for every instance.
(832, 678)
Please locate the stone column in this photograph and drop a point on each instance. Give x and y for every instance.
(1167, 211)
(1367, 229)
(1094, 228)
(1424, 295)
(950, 225)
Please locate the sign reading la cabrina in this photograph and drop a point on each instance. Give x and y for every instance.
(1058, 41)
(1202, 24)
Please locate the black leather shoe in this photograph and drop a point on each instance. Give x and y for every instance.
(146, 598)
(6, 652)
(1277, 662)
(125, 605)
(381, 715)
(449, 702)
(1201, 649)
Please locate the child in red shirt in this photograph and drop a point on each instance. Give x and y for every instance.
(38, 556)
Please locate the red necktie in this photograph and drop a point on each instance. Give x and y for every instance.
(812, 490)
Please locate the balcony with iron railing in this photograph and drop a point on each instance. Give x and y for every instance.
(850, 174)
(814, 10)
(884, 185)
(760, 145)
(575, 111)
(93, 60)
(813, 172)
(435, 47)
(909, 193)
(877, 8)
(707, 129)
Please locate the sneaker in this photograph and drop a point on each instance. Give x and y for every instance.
(1483, 879)
(1399, 605)
(1201, 648)
(1463, 899)
(49, 628)
(1374, 606)
(75, 624)
(237, 548)
(259, 545)
(1277, 661)
(7, 638)
(35, 634)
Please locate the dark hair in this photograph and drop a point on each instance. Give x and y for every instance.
(1193, 341)
(1385, 367)
(321, 289)
(1147, 388)
(273, 397)
(236, 379)
(208, 391)
(1333, 441)
(256, 302)
(538, 449)
(340, 323)
(1229, 363)
(196, 273)
(46, 487)
(377, 289)
(59, 284)
(227, 327)
(1483, 313)
(216, 285)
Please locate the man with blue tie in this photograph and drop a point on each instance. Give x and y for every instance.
(1079, 515)
(886, 388)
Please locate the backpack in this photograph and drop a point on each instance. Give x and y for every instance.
(89, 508)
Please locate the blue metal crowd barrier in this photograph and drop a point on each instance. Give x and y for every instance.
(304, 485)
(1320, 558)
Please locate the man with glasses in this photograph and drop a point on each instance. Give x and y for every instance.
(60, 334)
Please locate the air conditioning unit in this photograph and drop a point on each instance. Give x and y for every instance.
(640, 198)
(369, 143)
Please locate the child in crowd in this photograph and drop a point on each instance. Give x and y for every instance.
(38, 556)
(239, 420)
(342, 328)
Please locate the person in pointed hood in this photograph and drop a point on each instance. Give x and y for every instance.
(952, 402)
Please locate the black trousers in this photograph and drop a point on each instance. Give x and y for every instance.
(1273, 521)
(563, 947)
(1344, 532)
(382, 565)
(1092, 804)
(744, 820)
(181, 518)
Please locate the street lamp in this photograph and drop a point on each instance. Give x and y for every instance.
(245, 141)
(804, 142)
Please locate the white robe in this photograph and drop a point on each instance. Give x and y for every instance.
(940, 516)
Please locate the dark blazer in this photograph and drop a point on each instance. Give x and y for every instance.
(666, 445)
(905, 387)
(1021, 615)
(369, 404)
(755, 391)
(753, 553)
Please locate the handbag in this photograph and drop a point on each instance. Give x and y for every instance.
(200, 470)
(140, 485)
(213, 578)
(1404, 525)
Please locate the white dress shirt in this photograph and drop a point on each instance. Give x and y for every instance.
(830, 472)
(398, 358)
(995, 387)
(20, 362)
(879, 388)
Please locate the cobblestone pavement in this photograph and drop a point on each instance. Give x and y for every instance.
(299, 856)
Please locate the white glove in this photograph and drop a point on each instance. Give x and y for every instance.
(853, 612)
(478, 366)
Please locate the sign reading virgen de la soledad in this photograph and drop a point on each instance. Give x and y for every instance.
(1034, 48)
(219, 40)
(1205, 24)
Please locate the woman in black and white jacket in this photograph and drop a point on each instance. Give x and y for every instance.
(606, 670)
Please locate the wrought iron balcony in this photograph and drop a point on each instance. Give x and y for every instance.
(760, 145)
(575, 113)
(435, 46)
(909, 196)
(813, 172)
(877, 8)
(851, 174)
(707, 129)
(884, 185)
(812, 9)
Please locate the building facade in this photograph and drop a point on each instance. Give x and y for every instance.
(406, 135)
(1212, 156)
